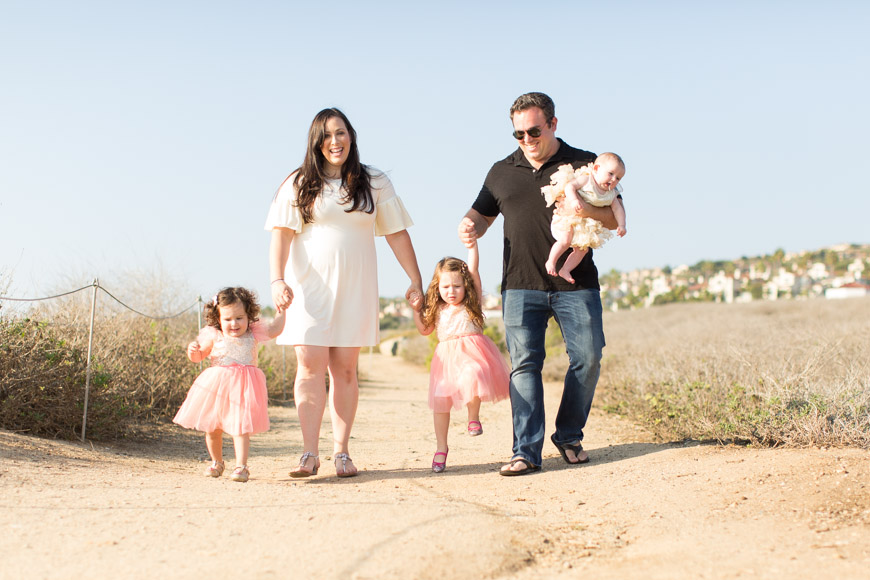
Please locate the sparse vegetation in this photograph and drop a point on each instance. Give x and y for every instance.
(140, 370)
(791, 373)
(776, 373)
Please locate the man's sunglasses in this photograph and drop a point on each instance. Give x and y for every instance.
(534, 133)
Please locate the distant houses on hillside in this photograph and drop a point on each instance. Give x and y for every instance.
(396, 313)
(850, 290)
(834, 272)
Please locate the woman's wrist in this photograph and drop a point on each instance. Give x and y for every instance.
(277, 280)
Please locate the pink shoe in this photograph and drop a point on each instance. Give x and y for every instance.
(475, 428)
(216, 469)
(439, 467)
(241, 474)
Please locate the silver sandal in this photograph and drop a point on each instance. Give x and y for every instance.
(300, 471)
(344, 459)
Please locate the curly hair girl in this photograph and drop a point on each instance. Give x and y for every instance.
(434, 302)
(229, 296)
(466, 367)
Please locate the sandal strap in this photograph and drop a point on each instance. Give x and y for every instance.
(306, 456)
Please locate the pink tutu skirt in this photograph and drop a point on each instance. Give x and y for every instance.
(230, 398)
(466, 367)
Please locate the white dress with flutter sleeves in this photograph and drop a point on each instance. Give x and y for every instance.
(332, 268)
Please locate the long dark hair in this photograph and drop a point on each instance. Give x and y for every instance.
(355, 179)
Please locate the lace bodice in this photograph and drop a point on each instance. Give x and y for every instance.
(454, 321)
(227, 350)
(234, 351)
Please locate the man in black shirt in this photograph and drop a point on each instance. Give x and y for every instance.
(530, 296)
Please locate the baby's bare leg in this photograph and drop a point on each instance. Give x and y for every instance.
(572, 261)
(563, 242)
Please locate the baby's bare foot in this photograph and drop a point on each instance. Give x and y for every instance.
(551, 268)
(566, 274)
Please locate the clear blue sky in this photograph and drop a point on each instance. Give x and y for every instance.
(145, 136)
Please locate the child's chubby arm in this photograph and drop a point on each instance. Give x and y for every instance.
(416, 302)
(474, 268)
(619, 216)
(276, 327)
(572, 199)
(606, 215)
(197, 351)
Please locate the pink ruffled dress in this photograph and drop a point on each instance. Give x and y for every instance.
(466, 364)
(231, 394)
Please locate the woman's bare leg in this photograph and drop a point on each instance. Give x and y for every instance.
(343, 398)
(310, 395)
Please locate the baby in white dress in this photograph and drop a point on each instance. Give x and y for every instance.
(597, 184)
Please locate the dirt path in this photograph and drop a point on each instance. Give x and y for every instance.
(639, 510)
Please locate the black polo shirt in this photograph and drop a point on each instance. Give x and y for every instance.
(513, 189)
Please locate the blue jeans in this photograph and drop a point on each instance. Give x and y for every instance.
(526, 313)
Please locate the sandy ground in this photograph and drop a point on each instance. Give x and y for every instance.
(640, 509)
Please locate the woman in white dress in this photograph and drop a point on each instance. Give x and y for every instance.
(322, 260)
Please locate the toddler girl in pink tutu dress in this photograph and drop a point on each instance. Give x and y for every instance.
(230, 395)
(467, 367)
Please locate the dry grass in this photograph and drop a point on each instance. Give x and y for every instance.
(793, 373)
(774, 373)
(140, 371)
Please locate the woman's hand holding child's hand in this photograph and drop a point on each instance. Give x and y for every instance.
(413, 290)
(282, 295)
(416, 301)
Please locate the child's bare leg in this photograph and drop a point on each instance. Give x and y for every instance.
(562, 243)
(474, 409)
(572, 261)
(474, 426)
(442, 424)
(214, 442)
(242, 444)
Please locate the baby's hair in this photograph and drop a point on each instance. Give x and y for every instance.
(227, 297)
(612, 157)
(434, 302)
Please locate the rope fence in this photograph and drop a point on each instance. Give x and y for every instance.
(96, 286)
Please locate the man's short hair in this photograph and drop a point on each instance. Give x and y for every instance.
(530, 100)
